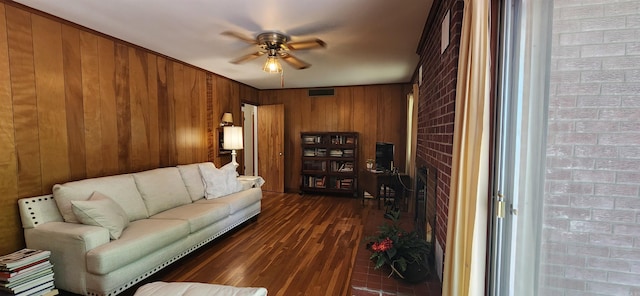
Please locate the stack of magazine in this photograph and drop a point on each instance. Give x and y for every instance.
(27, 272)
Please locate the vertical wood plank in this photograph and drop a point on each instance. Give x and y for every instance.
(181, 113)
(139, 101)
(293, 118)
(153, 132)
(74, 101)
(108, 114)
(123, 107)
(394, 128)
(345, 110)
(11, 233)
(221, 105)
(202, 110)
(332, 105)
(52, 117)
(168, 117)
(25, 112)
(189, 101)
(371, 116)
(92, 104)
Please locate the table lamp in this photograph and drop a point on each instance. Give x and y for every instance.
(232, 141)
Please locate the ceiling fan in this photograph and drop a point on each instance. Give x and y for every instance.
(276, 45)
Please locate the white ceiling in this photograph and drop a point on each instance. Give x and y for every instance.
(368, 41)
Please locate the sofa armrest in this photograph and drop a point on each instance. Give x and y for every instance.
(68, 243)
(250, 181)
(38, 210)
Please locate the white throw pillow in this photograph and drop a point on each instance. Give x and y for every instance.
(100, 210)
(219, 182)
(232, 178)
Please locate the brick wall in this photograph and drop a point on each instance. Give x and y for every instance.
(437, 102)
(591, 230)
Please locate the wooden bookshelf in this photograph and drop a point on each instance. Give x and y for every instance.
(329, 162)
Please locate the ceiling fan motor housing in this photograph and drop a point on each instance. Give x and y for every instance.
(272, 40)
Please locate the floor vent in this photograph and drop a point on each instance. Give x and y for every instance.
(321, 92)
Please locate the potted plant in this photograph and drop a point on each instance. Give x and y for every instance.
(403, 251)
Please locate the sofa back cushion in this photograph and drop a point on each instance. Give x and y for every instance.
(193, 180)
(162, 189)
(120, 188)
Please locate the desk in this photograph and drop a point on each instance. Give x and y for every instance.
(372, 182)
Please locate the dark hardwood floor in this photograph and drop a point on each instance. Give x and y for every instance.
(299, 245)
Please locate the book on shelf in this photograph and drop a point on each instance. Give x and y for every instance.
(315, 166)
(316, 182)
(320, 152)
(344, 184)
(335, 152)
(341, 166)
(311, 139)
(21, 258)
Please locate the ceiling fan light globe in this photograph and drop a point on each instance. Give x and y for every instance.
(272, 65)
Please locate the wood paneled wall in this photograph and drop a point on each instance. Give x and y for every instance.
(376, 112)
(76, 104)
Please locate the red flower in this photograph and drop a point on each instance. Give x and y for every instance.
(382, 246)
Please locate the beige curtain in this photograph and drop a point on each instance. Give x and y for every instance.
(464, 267)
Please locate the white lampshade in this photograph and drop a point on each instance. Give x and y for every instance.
(232, 141)
(232, 137)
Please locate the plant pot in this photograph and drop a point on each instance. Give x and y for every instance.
(415, 273)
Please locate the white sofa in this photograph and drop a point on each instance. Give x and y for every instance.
(166, 213)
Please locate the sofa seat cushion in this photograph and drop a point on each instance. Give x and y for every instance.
(162, 189)
(197, 289)
(139, 239)
(198, 215)
(120, 188)
(237, 201)
(193, 180)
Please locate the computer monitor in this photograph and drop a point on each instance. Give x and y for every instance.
(384, 156)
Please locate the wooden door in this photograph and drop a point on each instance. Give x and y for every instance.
(271, 146)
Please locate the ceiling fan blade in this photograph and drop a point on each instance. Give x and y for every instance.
(306, 44)
(293, 61)
(240, 36)
(248, 57)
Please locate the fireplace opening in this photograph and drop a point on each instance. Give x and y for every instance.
(425, 198)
